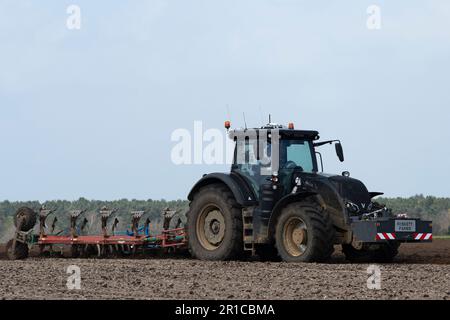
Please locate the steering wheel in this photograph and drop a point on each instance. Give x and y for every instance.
(290, 165)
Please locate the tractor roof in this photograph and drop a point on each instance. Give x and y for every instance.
(284, 132)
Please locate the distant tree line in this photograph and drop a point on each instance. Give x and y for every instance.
(426, 207)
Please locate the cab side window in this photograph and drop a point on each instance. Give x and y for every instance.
(300, 153)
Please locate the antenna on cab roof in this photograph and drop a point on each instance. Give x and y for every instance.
(261, 115)
(245, 122)
(228, 111)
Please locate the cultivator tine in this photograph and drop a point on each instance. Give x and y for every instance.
(147, 226)
(84, 224)
(99, 250)
(179, 223)
(116, 222)
(168, 215)
(105, 214)
(74, 215)
(43, 214)
(55, 220)
(137, 215)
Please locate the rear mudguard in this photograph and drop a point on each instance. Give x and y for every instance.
(386, 229)
(238, 186)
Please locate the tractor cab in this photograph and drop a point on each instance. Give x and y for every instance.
(276, 154)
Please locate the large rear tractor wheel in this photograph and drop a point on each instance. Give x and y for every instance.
(19, 252)
(382, 253)
(215, 224)
(26, 217)
(304, 233)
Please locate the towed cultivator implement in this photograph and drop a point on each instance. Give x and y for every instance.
(108, 243)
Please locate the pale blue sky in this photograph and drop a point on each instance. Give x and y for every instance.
(90, 112)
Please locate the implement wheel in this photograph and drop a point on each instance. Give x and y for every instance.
(304, 233)
(19, 252)
(26, 217)
(215, 224)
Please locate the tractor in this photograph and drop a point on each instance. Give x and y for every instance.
(275, 203)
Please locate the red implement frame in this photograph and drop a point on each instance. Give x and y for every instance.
(168, 238)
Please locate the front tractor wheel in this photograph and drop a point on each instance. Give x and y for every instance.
(214, 225)
(304, 233)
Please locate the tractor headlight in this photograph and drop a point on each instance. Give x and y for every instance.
(275, 177)
(351, 207)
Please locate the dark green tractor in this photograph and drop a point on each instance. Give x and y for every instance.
(276, 203)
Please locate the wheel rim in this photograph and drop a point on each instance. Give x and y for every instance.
(210, 227)
(295, 236)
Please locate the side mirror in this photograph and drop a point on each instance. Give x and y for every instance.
(339, 151)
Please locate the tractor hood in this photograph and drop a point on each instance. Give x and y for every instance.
(353, 192)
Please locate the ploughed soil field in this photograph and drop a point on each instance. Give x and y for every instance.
(421, 271)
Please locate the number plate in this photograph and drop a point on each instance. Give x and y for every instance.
(405, 225)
